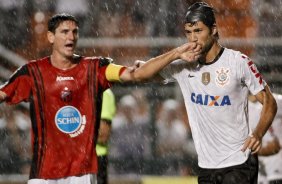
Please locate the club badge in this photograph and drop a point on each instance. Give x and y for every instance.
(206, 78)
(66, 95)
(222, 77)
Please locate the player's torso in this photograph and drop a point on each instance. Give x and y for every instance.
(215, 97)
(66, 96)
(214, 85)
(65, 126)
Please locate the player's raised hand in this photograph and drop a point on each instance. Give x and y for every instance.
(189, 51)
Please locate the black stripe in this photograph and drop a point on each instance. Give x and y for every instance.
(37, 154)
(96, 94)
(23, 70)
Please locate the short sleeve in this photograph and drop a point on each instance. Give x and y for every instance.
(18, 87)
(168, 73)
(250, 75)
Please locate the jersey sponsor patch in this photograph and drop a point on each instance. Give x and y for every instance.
(69, 120)
(222, 77)
(209, 100)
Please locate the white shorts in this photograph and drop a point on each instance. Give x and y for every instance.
(85, 179)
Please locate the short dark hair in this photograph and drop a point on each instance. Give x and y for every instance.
(200, 11)
(55, 21)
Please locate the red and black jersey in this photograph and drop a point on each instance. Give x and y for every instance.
(65, 108)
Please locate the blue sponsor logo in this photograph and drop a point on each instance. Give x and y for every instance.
(209, 100)
(68, 119)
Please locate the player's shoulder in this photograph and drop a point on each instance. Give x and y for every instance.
(39, 61)
(103, 61)
(35, 64)
(237, 55)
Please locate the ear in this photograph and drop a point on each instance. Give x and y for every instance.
(50, 37)
(214, 30)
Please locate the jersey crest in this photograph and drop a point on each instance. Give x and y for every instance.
(222, 77)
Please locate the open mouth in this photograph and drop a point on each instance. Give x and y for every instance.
(69, 45)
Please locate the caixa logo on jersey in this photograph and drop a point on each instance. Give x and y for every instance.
(69, 120)
(209, 100)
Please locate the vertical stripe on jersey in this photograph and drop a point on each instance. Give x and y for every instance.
(95, 94)
(98, 96)
(37, 104)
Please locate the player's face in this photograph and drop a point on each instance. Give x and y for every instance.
(200, 34)
(65, 38)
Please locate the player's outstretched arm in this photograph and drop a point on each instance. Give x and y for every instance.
(189, 52)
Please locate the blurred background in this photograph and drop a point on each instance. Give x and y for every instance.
(156, 142)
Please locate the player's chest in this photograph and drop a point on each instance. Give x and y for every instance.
(64, 84)
(213, 80)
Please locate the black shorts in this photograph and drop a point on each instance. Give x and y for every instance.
(102, 175)
(246, 173)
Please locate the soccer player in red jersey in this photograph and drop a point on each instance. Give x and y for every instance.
(65, 95)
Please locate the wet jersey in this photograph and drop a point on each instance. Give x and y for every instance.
(215, 97)
(273, 163)
(65, 108)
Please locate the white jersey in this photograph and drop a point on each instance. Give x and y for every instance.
(273, 163)
(216, 101)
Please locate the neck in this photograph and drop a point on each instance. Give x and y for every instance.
(62, 63)
(213, 52)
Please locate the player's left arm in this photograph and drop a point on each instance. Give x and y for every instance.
(189, 52)
(149, 69)
(268, 112)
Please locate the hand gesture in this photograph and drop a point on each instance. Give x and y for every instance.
(137, 64)
(253, 143)
(189, 51)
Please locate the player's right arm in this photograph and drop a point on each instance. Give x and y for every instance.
(188, 52)
(17, 88)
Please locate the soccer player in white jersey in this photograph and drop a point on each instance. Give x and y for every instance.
(270, 155)
(269, 161)
(273, 163)
(215, 87)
